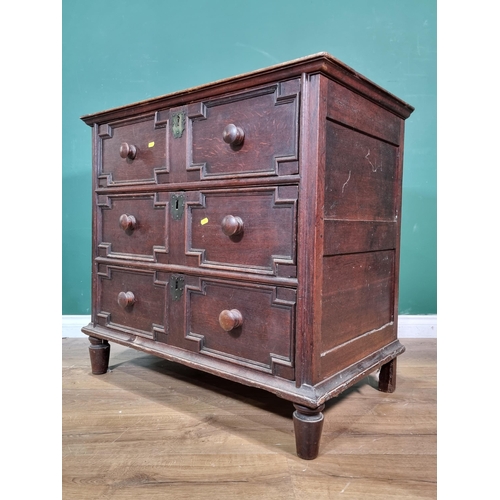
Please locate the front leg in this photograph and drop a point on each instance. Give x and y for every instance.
(99, 355)
(308, 425)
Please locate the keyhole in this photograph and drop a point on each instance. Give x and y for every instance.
(177, 203)
(176, 285)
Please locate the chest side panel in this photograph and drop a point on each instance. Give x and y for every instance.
(362, 199)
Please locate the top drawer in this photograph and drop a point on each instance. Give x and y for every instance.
(131, 152)
(248, 134)
(245, 134)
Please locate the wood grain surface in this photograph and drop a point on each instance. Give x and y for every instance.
(151, 429)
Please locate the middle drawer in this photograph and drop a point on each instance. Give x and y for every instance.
(249, 230)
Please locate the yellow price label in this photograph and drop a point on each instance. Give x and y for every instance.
(203, 221)
(151, 144)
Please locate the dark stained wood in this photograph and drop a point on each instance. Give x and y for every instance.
(229, 320)
(264, 130)
(183, 185)
(356, 236)
(99, 355)
(133, 225)
(360, 176)
(387, 376)
(128, 151)
(143, 312)
(126, 299)
(280, 280)
(354, 111)
(264, 235)
(250, 228)
(233, 135)
(344, 378)
(357, 295)
(310, 228)
(308, 425)
(127, 222)
(349, 353)
(231, 225)
(261, 328)
(131, 151)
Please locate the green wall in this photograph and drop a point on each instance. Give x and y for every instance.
(119, 51)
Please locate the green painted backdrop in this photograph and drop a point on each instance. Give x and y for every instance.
(119, 51)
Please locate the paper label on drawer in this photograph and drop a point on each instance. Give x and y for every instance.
(151, 144)
(203, 221)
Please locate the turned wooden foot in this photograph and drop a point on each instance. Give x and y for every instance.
(387, 377)
(99, 355)
(308, 424)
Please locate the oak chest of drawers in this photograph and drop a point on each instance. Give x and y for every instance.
(250, 228)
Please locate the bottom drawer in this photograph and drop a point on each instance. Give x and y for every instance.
(131, 301)
(251, 325)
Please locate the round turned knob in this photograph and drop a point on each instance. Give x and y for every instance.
(229, 320)
(233, 135)
(126, 299)
(232, 225)
(127, 150)
(127, 222)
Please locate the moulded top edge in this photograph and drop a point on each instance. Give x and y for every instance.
(321, 62)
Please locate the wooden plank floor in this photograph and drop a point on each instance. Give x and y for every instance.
(152, 429)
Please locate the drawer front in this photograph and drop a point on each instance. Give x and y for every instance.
(131, 301)
(248, 230)
(133, 227)
(250, 134)
(250, 325)
(131, 152)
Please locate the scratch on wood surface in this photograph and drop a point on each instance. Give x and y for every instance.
(114, 440)
(345, 487)
(374, 168)
(345, 183)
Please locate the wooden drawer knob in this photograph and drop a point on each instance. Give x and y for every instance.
(229, 320)
(127, 222)
(127, 151)
(233, 135)
(126, 299)
(232, 225)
